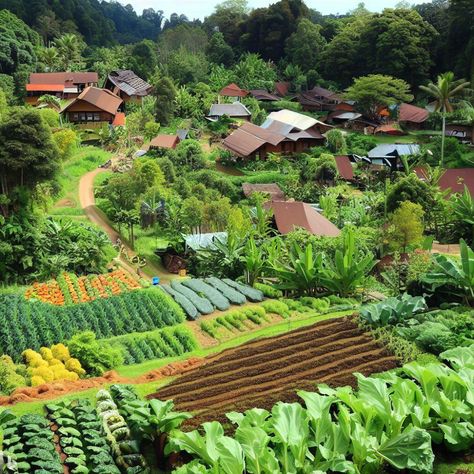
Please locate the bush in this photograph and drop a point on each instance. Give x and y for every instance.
(11, 375)
(277, 307)
(96, 357)
(268, 290)
(336, 142)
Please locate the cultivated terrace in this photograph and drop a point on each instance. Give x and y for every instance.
(236, 244)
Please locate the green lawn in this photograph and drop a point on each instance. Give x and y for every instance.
(85, 159)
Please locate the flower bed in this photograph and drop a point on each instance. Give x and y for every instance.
(71, 289)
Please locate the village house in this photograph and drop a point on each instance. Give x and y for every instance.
(236, 110)
(94, 107)
(233, 90)
(389, 154)
(452, 180)
(284, 131)
(64, 85)
(127, 85)
(163, 141)
(319, 99)
(464, 133)
(412, 117)
(291, 215)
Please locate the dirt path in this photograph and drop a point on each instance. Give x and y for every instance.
(95, 215)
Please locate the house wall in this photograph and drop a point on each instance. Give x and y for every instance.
(82, 111)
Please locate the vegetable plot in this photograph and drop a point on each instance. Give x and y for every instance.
(197, 296)
(33, 324)
(264, 371)
(71, 289)
(391, 421)
(29, 442)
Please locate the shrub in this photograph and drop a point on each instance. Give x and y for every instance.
(277, 307)
(268, 290)
(96, 357)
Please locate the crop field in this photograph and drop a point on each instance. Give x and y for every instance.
(264, 371)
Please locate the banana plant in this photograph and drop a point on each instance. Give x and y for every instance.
(348, 270)
(456, 275)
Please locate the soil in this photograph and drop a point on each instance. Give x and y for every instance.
(262, 372)
(57, 389)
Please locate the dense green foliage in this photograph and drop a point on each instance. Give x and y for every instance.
(32, 324)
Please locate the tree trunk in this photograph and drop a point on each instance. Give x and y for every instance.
(442, 138)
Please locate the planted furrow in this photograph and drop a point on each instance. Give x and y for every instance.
(271, 354)
(264, 373)
(216, 401)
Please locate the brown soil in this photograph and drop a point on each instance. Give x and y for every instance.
(58, 389)
(262, 372)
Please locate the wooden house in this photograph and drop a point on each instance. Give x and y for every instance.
(127, 85)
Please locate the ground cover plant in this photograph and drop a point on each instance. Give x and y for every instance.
(32, 324)
(70, 289)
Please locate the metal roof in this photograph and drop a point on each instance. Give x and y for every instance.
(127, 81)
(236, 109)
(411, 113)
(233, 90)
(395, 149)
(296, 120)
(261, 94)
(64, 78)
(164, 141)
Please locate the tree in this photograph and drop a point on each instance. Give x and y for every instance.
(305, 45)
(189, 154)
(375, 91)
(410, 188)
(335, 141)
(463, 207)
(70, 48)
(325, 168)
(406, 225)
(443, 92)
(28, 154)
(143, 58)
(151, 129)
(50, 58)
(165, 94)
(66, 140)
(218, 51)
(254, 73)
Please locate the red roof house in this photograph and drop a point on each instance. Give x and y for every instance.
(164, 141)
(410, 115)
(233, 90)
(344, 167)
(293, 215)
(453, 179)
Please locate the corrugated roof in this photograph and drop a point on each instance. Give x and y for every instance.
(182, 133)
(293, 215)
(267, 135)
(344, 167)
(128, 82)
(345, 115)
(64, 77)
(394, 149)
(204, 241)
(233, 90)
(411, 113)
(276, 194)
(164, 141)
(45, 87)
(243, 143)
(390, 129)
(101, 98)
(261, 94)
(232, 110)
(296, 120)
(322, 92)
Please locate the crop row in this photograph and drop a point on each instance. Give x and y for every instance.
(167, 342)
(33, 324)
(197, 296)
(71, 289)
(28, 445)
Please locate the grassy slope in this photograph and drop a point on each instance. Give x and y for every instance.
(85, 159)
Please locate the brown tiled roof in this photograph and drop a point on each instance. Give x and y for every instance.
(322, 92)
(100, 98)
(233, 90)
(127, 81)
(276, 194)
(164, 141)
(344, 167)
(292, 215)
(64, 78)
(411, 113)
(261, 94)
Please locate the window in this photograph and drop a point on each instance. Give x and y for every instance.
(90, 116)
(96, 117)
(75, 117)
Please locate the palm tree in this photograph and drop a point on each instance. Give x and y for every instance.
(50, 58)
(69, 48)
(443, 91)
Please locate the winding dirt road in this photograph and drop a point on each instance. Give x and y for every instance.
(95, 215)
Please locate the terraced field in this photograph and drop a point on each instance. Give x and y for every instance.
(262, 372)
